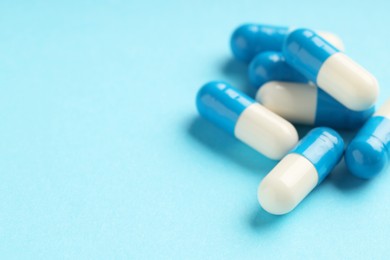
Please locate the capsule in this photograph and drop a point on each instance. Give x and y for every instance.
(250, 39)
(331, 70)
(306, 104)
(368, 153)
(244, 118)
(300, 171)
(270, 66)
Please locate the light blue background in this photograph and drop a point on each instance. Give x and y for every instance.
(102, 154)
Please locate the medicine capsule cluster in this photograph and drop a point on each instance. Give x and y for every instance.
(301, 77)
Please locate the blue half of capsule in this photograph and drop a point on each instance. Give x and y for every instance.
(222, 104)
(251, 39)
(306, 51)
(323, 147)
(272, 66)
(368, 153)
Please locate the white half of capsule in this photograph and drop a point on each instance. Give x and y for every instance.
(384, 110)
(292, 179)
(295, 102)
(265, 131)
(329, 37)
(348, 82)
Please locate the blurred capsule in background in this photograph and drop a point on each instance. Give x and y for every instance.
(244, 118)
(299, 172)
(368, 153)
(250, 39)
(270, 66)
(331, 70)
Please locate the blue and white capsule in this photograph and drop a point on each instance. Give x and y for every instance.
(331, 70)
(297, 100)
(307, 104)
(250, 39)
(244, 118)
(368, 153)
(300, 171)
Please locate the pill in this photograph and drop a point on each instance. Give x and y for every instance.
(300, 171)
(250, 39)
(244, 118)
(333, 71)
(270, 66)
(306, 104)
(367, 154)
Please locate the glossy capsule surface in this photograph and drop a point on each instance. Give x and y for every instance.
(300, 171)
(330, 69)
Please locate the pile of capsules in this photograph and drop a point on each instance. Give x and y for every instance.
(301, 76)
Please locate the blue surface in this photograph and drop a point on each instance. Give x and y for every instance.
(323, 147)
(306, 51)
(368, 153)
(222, 104)
(103, 154)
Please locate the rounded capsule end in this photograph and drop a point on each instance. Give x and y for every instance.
(265, 67)
(371, 94)
(241, 42)
(208, 89)
(366, 157)
(291, 48)
(251, 39)
(271, 66)
(287, 184)
(364, 90)
(348, 82)
(275, 198)
(222, 104)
